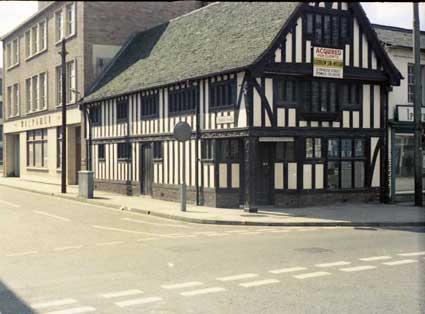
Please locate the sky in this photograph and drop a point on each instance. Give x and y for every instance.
(13, 13)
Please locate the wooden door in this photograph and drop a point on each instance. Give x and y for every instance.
(264, 180)
(146, 173)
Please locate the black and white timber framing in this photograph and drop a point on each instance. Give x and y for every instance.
(258, 120)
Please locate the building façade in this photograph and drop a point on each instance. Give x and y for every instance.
(287, 103)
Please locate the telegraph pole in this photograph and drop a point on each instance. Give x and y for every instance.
(418, 105)
(63, 54)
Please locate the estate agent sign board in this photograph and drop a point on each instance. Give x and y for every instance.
(328, 62)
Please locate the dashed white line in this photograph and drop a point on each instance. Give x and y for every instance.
(401, 262)
(137, 301)
(375, 258)
(109, 243)
(217, 234)
(156, 223)
(121, 230)
(202, 291)
(182, 285)
(118, 294)
(21, 253)
(250, 232)
(237, 277)
(9, 204)
(65, 248)
(280, 231)
(146, 239)
(43, 305)
(312, 275)
(51, 215)
(412, 254)
(358, 268)
(287, 270)
(341, 263)
(77, 310)
(258, 283)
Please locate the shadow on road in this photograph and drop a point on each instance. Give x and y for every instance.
(10, 303)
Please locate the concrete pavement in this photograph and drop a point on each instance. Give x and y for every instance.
(61, 256)
(360, 214)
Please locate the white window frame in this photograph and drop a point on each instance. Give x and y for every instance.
(65, 21)
(13, 107)
(36, 104)
(38, 44)
(71, 83)
(11, 58)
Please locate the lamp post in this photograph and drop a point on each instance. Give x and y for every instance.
(63, 54)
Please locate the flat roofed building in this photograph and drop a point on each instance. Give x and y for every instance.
(94, 32)
(398, 42)
(287, 103)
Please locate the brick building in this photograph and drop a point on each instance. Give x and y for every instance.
(94, 32)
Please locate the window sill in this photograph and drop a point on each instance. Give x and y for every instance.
(38, 169)
(13, 66)
(34, 112)
(35, 55)
(158, 159)
(67, 38)
(153, 117)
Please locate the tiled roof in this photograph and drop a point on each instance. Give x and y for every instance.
(396, 36)
(220, 37)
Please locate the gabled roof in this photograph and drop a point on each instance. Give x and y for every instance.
(220, 37)
(396, 36)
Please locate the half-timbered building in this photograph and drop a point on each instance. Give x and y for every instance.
(287, 103)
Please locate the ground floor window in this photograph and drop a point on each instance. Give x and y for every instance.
(346, 163)
(37, 148)
(59, 147)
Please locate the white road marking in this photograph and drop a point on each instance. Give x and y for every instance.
(236, 231)
(280, 231)
(177, 236)
(51, 216)
(258, 283)
(10, 204)
(217, 235)
(308, 229)
(250, 232)
(76, 310)
(202, 291)
(22, 253)
(358, 268)
(401, 262)
(412, 254)
(182, 285)
(287, 270)
(65, 248)
(375, 258)
(237, 277)
(146, 239)
(138, 301)
(341, 263)
(122, 230)
(156, 223)
(120, 293)
(312, 275)
(43, 305)
(109, 243)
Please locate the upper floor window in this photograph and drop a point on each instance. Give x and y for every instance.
(286, 92)
(313, 148)
(351, 95)
(71, 83)
(207, 149)
(124, 151)
(101, 152)
(326, 29)
(157, 150)
(122, 111)
(36, 93)
(411, 83)
(149, 105)
(321, 96)
(223, 93)
(95, 115)
(13, 100)
(183, 99)
(65, 22)
(36, 39)
(12, 53)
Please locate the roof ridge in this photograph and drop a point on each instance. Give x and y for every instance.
(194, 11)
(395, 28)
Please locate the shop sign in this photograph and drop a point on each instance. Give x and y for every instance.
(407, 113)
(328, 62)
(225, 119)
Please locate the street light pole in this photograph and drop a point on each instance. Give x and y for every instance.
(418, 110)
(63, 54)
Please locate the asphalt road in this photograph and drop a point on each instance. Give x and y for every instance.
(64, 257)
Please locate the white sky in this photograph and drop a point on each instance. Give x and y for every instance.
(12, 13)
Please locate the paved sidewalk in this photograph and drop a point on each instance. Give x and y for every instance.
(360, 214)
